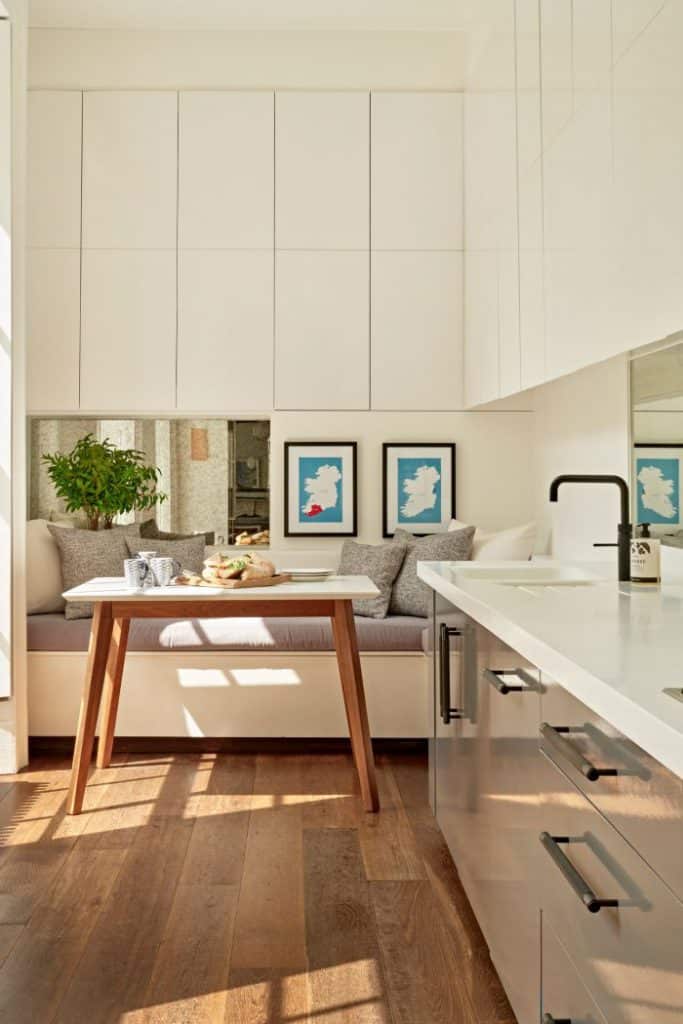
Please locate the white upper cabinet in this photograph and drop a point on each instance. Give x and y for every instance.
(322, 170)
(648, 170)
(128, 332)
(226, 170)
(321, 330)
(529, 194)
(53, 324)
(130, 170)
(54, 169)
(225, 324)
(417, 330)
(417, 169)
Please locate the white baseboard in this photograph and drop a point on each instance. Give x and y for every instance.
(226, 694)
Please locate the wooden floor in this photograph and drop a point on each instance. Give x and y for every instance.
(240, 889)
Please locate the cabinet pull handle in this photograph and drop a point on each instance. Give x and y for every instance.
(549, 1019)
(591, 902)
(447, 712)
(553, 736)
(493, 676)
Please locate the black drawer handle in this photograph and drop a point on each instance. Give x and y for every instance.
(591, 902)
(493, 676)
(549, 1019)
(447, 712)
(554, 737)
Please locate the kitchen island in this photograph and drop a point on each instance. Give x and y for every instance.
(557, 779)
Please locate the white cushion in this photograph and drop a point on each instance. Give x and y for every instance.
(43, 569)
(513, 545)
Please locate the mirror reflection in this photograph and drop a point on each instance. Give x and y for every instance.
(657, 431)
(213, 472)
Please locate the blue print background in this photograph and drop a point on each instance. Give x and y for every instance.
(406, 470)
(308, 468)
(670, 470)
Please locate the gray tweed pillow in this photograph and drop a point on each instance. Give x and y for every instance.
(189, 552)
(381, 562)
(410, 596)
(85, 554)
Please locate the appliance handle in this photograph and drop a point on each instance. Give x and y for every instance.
(552, 846)
(448, 713)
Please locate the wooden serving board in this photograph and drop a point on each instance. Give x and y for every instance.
(268, 581)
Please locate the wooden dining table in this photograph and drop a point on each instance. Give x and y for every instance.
(115, 604)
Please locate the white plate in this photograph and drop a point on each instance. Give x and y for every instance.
(308, 572)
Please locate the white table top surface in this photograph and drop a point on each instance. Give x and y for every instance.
(336, 588)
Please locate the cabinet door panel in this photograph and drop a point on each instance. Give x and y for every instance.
(225, 321)
(322, 170)
(53, 322)
(130, 169)
(128, 340)
(54, 169)
(530, 195)
(482, 355)
(226, 170)
(417, 168)
(417, 330)
(648, 164)
(321, 330)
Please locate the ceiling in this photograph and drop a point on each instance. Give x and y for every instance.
(263, 15)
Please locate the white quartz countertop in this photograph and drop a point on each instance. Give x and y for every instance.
(615, 646)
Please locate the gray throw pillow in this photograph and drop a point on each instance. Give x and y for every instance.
(150, 530)
(85, 554)
(381, 562)
(410, 596)
(189, 552)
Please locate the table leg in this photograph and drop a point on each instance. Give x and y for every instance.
(98, 651)
(112, 690)
(351, 676)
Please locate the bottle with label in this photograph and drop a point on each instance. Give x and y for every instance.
(645, 556)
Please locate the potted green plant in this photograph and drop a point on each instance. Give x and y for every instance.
(103, 481)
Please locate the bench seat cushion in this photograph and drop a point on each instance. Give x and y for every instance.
(53, 632)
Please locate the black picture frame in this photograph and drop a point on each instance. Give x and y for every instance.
(289, 530)
(449, 510)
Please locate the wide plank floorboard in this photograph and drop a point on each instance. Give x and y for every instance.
(235, 889)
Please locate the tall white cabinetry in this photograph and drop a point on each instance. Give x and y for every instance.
(225, 251)
(54, 244)
(130, 204)
(416, 242)
(322, 302)
(218, 252)
(595, 101)
(492, 356)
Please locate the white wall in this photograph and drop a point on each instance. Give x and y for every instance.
(13, 711)
(494, 468)
(581, 426)
(73, 59)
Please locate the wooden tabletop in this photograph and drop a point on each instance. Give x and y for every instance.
(336, 588)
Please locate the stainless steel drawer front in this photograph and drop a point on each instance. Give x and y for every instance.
(629, 949)
(641, 798)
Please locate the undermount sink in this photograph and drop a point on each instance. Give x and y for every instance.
(526, 574)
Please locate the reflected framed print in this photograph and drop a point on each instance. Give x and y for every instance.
(418, 487)
(320, 489)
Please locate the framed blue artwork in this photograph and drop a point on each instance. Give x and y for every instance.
(658, 474)
(320, 489)
(418, 487)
